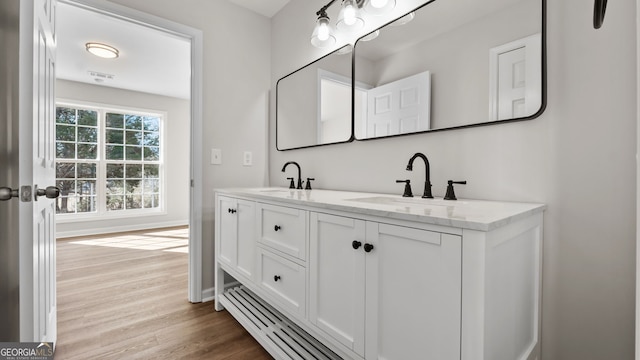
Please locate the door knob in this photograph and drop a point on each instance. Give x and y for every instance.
(51, 192)
(356, 244)
(8, 193)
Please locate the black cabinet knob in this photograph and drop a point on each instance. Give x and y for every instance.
(277, 227)
(276, 277)
(356, 244)
(368, 247)
(232, 211)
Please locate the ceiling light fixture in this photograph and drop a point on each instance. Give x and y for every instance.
(349, 19)
(102, 50)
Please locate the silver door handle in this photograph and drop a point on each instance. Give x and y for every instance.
(51, 192)
(8, 193)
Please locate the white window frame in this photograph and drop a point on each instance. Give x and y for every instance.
(102, 213)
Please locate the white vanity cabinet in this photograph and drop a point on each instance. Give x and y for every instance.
(339, 275)
(385, 291)
(235, 228)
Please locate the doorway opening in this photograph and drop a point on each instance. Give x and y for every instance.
(157, 71)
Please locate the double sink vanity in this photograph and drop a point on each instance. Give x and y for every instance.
(321, 274)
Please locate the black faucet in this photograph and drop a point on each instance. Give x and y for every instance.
(299, 174)
(427, 181)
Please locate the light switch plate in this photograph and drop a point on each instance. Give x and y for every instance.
(216, 157)
(247, 159)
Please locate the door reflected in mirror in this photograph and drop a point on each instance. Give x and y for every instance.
(450, 64)
(313, 104)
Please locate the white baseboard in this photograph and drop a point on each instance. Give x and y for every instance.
(208, 294)
(123, 228)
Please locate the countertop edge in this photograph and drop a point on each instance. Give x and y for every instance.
(264, 194)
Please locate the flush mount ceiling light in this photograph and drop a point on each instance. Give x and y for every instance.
(102, 50)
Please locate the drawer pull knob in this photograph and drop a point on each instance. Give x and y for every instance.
(232, 211)
(356, 244)
(276, 277)
(368, 247)
(277, 227)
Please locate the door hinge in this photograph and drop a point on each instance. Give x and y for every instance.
(192, 183)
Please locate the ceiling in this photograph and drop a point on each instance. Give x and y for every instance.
(150, 60)
(267, 8)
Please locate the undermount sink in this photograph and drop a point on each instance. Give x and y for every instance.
(384, 200)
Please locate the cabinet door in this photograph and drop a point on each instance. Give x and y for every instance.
(246, 238)
(228, 228)
(413, 294)
(336, 278)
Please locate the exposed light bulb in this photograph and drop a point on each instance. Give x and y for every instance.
(380, 7)
(323, 31)
(378, 3)
(349, 14)
(322, 34)
(349, 18)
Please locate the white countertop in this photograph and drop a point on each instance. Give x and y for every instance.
(462, 213)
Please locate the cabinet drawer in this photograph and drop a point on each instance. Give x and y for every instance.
(284, 280)
(283, 229)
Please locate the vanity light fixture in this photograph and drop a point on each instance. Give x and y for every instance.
(349, 18)
(323, 33)
(102, 50)
(379, 7)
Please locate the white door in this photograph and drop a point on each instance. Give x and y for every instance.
(37, 169)
(414, 294)
(399, 107)
(336, 278)
(515, 78)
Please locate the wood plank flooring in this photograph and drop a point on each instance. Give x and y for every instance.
(124, 296)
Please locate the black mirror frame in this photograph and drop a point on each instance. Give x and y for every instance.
(543, 99)
(351, 137)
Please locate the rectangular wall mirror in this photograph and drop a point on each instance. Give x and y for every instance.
(313, 104)
(450, 64)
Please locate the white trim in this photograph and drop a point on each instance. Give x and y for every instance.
(533, 45)
(118, 229)
(208, 294)
(337, 78)
(195, 36)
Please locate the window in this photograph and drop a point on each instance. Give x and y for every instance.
(107, 161)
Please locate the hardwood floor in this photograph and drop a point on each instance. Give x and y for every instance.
(124, 296)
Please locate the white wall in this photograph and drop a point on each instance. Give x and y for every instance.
(176, 157)
(578, 158)
(235, 96)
